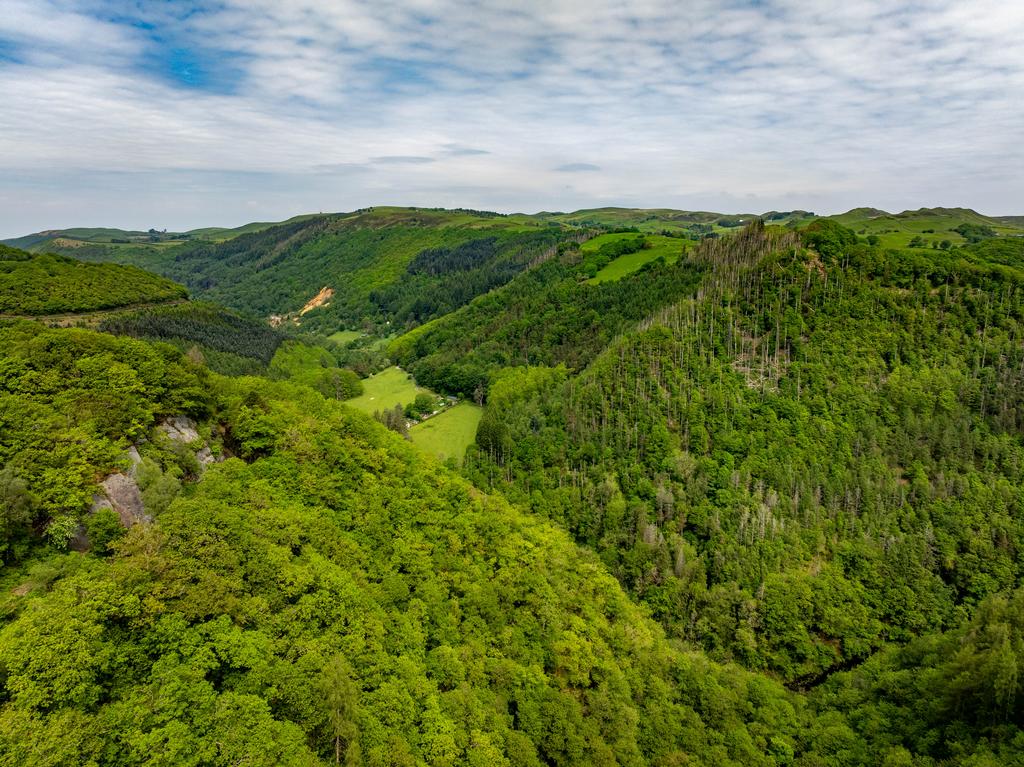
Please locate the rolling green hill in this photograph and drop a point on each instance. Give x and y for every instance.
(813, 459)
(656, 220)
(47, 284)
(821, 400)
(76, 237)
(548, 315)
(407, 266)
(930, 225)
(379, 265)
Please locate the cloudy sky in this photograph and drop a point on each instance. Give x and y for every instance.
(184, 114)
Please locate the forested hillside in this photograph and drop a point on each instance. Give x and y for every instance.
(391, 268)
(49, 284)
(818, 454)
(747, 499)
(232, 344)
(225, 340)
(380, 265)
(322, 595)
(548, 315)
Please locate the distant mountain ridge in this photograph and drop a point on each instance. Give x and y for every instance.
(108, 235)
(386, 264)
(644, 218)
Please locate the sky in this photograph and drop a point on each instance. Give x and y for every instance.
(186, 114)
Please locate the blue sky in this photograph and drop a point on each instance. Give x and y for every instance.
(185, 114)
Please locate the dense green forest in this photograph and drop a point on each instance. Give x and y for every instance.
(225, 340)
(818, 454)
(383, 265)
(757, 503)
(322, 595)
(49, 284)
(548, 315)
(325, 594)
(440, 280)
(232, 344)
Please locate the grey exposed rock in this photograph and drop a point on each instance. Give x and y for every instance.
(135, 458)
(180, 429)
(205, 457)
(100, 502)
(121, 493)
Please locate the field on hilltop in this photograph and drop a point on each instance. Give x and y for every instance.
(931, 226)
(651, 248)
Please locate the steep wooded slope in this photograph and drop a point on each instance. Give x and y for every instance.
(399, 265)
(324, 594)
(817, 454)
(548, 315)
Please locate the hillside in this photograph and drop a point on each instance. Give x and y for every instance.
(809, 463)
(813, 457)
(752, 499)
(548, 315)
(374, 266)
(932, 227)
(226, 341)
(233, 344)
(406, 266)
(321, 593)
(657, 220)
(112, 239)
(47, 284)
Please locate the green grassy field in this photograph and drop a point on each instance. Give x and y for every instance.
(385, 390)
(646, 220)
(896, 230)
(448, 434)
(667, 247)
(595, 243)
(345, 336)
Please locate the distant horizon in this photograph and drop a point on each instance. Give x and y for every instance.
(272, 220)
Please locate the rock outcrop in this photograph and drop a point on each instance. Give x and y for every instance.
(180, 429)
(121, 493)
(183, 430)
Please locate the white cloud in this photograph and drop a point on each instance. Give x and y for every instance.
(702, 104)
